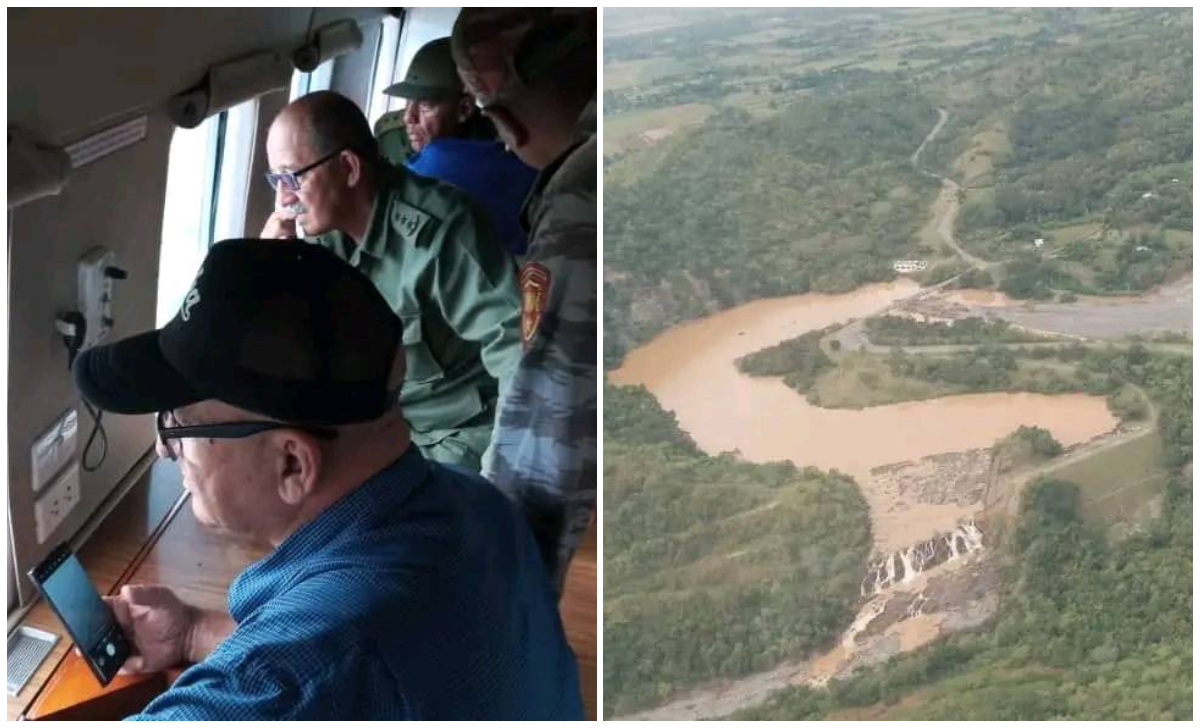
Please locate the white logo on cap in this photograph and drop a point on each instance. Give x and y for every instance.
(192, 298)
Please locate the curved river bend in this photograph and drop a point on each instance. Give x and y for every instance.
(691, 370)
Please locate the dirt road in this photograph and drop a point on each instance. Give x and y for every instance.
(1167, 308)
(946, 206)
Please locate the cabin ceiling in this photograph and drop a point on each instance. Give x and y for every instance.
(60, 59)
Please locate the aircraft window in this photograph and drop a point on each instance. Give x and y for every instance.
(386, 60)
(237, 151)
(207, 178)
(318, 80)
(187, 216)
(420, 26)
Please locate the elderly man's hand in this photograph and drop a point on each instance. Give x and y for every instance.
(158, 624)
(281, 224)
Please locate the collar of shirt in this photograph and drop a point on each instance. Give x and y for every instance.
(585, 125)
(375, 242)
(455, 144)
(380, 494)
(534, 198)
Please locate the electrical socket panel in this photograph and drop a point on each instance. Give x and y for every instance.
(95, 294)
(54, 449)
(52, 508)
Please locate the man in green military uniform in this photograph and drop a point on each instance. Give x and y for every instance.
(428, 249)
(437, 107)
(441, 119)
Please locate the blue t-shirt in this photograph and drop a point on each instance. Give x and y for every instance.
(418, 596)
(493, 177)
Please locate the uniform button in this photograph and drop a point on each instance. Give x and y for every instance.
(110, 649)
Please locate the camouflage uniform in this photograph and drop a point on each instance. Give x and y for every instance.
(430, 252)
(544, 448)
(393, 138)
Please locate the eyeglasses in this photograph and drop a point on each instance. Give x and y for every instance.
(291, 180)
(170, 435)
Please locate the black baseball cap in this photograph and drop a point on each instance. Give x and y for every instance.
(283, 328)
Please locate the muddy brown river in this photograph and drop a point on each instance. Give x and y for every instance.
(691, 370)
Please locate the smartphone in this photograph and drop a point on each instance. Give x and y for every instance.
(90, 622)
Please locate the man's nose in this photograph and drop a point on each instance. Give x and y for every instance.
(284, 196)
(410, 112)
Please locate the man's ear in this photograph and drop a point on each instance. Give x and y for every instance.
(354, 167)
(300, 461)
(512, 132)
(466, 108)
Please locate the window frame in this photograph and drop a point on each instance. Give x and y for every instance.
(387, 58)
(236, 160)
(224, 190)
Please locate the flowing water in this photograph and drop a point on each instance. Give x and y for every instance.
(691, 370)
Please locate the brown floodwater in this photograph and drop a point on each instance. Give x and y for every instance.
(691, 370)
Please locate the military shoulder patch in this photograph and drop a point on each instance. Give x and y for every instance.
(535, 292)
(408, 221)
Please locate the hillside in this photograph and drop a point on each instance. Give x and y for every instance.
(764, 561)
(776, 159)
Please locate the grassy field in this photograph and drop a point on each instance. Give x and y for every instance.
(997, 243)
(642, 72)
(1075, 231)
(928, 236)
(1178, 237)
(1116, 484)
(974, 166)
(638, 129)
(620, 74)
(864, 380)
(632, 167)
(889, 59)
(793, 60)
(886, 37)
(619, 22)
(763, 37)
(760, 105)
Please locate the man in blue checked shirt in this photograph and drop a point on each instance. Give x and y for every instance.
(398, 588)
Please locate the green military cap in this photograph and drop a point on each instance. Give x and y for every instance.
(431, 75)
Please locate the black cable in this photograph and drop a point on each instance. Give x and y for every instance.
(74, 341)
(74, 331)
(97, 429)
(312, 15)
